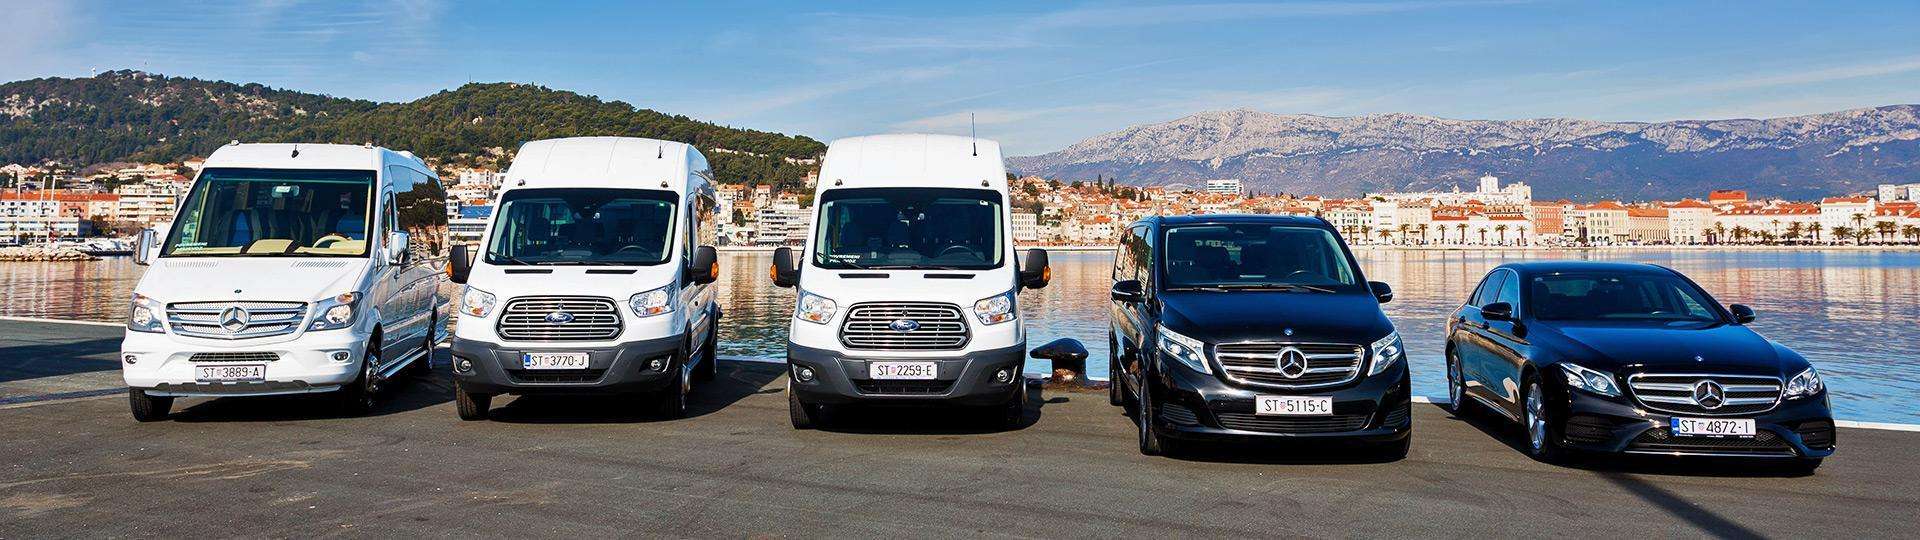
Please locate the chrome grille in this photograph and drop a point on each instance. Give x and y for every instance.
(233, 357)
(1745, 394)
(1259, 363)
(525, 319)
(869, 326)
(256, 319)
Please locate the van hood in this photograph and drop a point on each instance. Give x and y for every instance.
(266, 279)
(1225, 317)
(616, 282)
(958, 287)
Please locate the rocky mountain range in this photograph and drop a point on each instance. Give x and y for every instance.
(1796, 157)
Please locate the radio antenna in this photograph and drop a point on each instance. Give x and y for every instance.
(975, 132)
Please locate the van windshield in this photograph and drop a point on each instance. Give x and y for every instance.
(232, 212)
(910, 228)
(582, 226)
(1255, 256)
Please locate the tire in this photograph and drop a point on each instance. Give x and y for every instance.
(471, 405)
(672, 403)
(1116, 394)
(1537, 424)
(1010, 416)
(423, 366)
(148, 408)
(804, 415)
(709, 367)
(1151, 443)
(357, 398)
(1456, 385)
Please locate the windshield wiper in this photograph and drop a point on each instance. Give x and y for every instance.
(1275, 286)
(511, 259)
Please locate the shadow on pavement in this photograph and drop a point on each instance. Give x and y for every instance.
(929, 420)
(734, 381)
(1509, 434)
(36, 361)
(409, 391)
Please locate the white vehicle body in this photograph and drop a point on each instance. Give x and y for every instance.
(952, 238)
(581, 231)
(271, 238)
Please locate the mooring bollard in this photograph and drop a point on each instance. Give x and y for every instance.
(1069, 359)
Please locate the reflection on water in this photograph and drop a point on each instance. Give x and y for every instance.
(1851, 312)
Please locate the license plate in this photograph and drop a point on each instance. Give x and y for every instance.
(1713, 427)
(563, 360)
(903, 370)
(246, 372)
(1293, 405)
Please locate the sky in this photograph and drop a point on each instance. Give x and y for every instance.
(1037, 76)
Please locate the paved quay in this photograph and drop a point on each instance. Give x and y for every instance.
(73, 463)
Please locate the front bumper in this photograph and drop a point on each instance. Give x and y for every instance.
(1800, 428)
(164, 366)
(610, 369)
(1197, 406)
(963, 379)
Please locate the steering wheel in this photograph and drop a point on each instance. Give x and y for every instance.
(329, 239)
(628, 247)
(963, 248)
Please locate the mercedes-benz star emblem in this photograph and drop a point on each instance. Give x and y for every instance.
(559, 317)
(1293, 363)
(1709, 395)
(234, 319)
(903, 325)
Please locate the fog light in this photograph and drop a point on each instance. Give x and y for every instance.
(342, 356)
(657, 364)
(130, 359)
(463, 365)
(1005, 375)
(804, 373)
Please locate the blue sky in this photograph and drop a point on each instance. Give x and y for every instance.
(1038, 75)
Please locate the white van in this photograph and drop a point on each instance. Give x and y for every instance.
(593, 276)
(289, 269)
(908, 288)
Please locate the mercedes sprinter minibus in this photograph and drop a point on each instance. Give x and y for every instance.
(908, 285)
(289, 269)
(593, 276)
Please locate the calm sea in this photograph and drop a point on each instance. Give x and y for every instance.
(1852, 312)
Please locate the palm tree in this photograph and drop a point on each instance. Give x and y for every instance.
(1483, 235)
(1403, 232)
(1462, 227)
(1423, 232)
(1841, 232)
(1707, 234)
(1385, 234)
(1860, 236)
(1816, 227)
(1910, 232)
(1859, 222)
(1775, 231)
(1521, 233)
(1885, 228)
(1365, 231)
(1502, 228)
(1794, 230)
(1719, 232)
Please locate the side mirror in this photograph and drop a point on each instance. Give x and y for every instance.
(1034, 270)
(459, 264)
(143, 246)
(398, 244)
(705, 265)
(1130, 291)
(1497, 311)
(784, 272)
(1741, 313)
(1381, 291)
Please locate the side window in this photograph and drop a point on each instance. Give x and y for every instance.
(1509, 292)
(1489, 289)
(388, 219)
(1123, 258)
(1142, 257)
(709, 226)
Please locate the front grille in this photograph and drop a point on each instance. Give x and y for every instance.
(1816, 433)
(903, 388)
(1764, 443)
(1744, 394)
(1178, 414)
(1261, 363)
(1399, 416)
(526, 319)
(234, 357)
(1588, 429)
(870, 327)
(1292, 424)
(558, 376)
(235, 320)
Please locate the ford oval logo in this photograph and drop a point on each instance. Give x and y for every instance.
(559, 317)
(904, 325)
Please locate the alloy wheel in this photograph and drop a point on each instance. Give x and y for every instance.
(1456, 385)
(1536, 419)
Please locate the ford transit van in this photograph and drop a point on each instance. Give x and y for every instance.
(593, 277)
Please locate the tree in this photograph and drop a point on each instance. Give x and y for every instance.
(1720, 232)
(1403, 232)
(1841, 232)
(1366, 231)
(1502, 228)
(1483, 235)
(1462, 227)
(1740, 233)
(1886, 229)
(1910, 232)
(1815, 227)
(1423, 232)
(1794, 230)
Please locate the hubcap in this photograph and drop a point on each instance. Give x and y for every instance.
(1146, 426)
(1536, 418)
(1455, 382)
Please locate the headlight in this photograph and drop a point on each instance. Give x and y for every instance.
(995, 309)
(335, 313)
(1190, 352)
(476, 302)
(1385, 352)
(1595, 381)
(144, 316)
(815, 308)
(1806, 384)
(654, 302)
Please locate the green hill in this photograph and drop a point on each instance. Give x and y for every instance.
(134, 116)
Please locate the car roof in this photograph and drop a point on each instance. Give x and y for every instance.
(1583, 267)
(1211, 219)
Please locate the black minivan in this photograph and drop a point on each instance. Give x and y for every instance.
(1235, 327)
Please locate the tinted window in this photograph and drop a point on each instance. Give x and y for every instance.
(1489, 289)
(1630, 298)
(1254, 255)
(910, 228)
(583, 226)
(1509, 292)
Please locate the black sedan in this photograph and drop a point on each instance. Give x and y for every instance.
(1631, 358)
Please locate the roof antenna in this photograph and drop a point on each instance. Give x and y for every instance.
(659, 152)
(296, 151)
(975, 130)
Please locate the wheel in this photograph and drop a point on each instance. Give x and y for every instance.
(1115, 394)
(1151, 443)
(1539, 424)
(423, 366)
(1456, 385)
(804, 415)
(672, 403)
(1804, 466)
(472, 405)
(709, 367)
(148, 408)
(1011, 414)
(356, 398)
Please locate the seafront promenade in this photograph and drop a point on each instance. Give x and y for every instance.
(77, 465)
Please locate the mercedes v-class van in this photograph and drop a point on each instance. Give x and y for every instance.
(908, 284)
(593, 276)
(288, 269)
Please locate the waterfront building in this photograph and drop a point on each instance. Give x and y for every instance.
(1602, 223)
(1688, 221)
(468, 224)
(147, 203)
(1899, 192)
(1648, 225)
(782, 224)
(1850, 213)
(1026, 227)
(1726, 197)
(1549, 218)
(1226, 186)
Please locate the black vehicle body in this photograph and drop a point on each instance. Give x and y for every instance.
(1254, 328)
(1502, 340)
